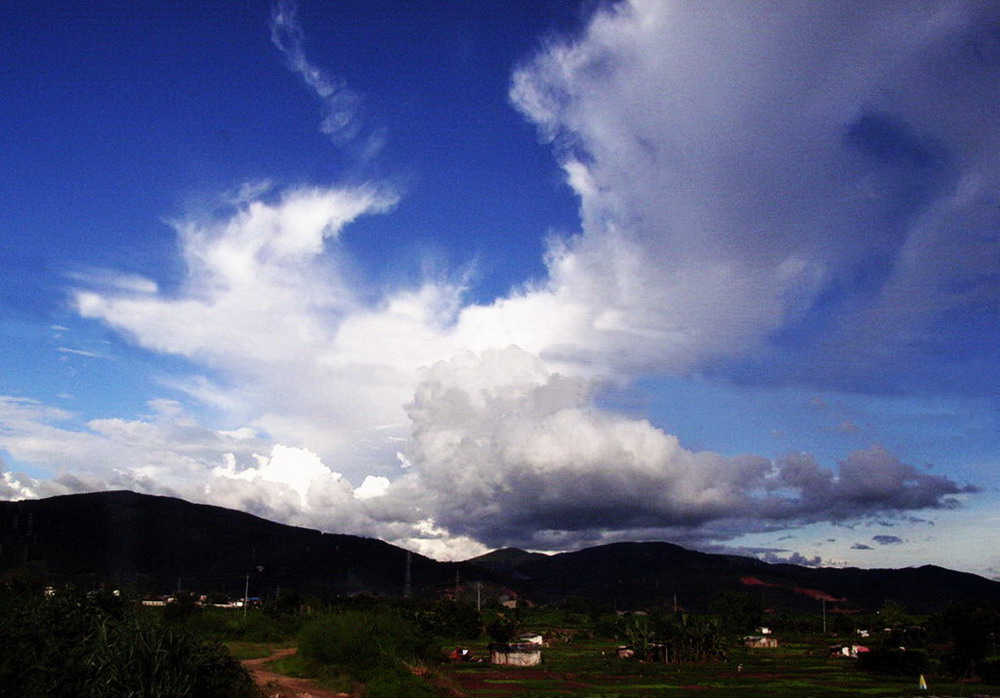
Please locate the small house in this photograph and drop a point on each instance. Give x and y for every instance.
(757, 642)
(515, 653)
(848, 650)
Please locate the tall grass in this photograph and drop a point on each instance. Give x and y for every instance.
(72, 644)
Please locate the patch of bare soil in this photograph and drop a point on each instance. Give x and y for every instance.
(275, 685)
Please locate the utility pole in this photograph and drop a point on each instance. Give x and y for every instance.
(824, 615)
(479, 597)
(246, 594)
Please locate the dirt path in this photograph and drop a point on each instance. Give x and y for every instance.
(279, 686)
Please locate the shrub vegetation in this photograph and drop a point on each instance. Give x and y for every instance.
(377, 646)
(73, 644)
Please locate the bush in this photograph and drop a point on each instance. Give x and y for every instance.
(989, 671)
(184, 605)
(971, 627)
(393, 683)
(739, 611)
(226, 624)
(502, 629)
(214, 624)
(71, 644)
(363, 642)
(899, 662)
(449, 620)
(142, 659)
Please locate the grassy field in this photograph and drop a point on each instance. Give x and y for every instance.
(590, 668)
(241, 649)
(323, 677)
(580, 660)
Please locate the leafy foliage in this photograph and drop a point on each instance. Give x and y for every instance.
(449, 620)
(739, 611)
(71, 644)
(183, 605)
(893, 615)
(673, 638)
(502, 628)
(898, 661)
(973, 628)
(376, 646)
(257, 625)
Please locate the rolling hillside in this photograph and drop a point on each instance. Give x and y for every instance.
(158, 544)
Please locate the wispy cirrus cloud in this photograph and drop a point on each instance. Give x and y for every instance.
(342, 106)
(82, 352)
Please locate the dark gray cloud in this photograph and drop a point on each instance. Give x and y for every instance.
(793, 558)
(772, 555)
(508, 454)
(887, 540)
(861, 546)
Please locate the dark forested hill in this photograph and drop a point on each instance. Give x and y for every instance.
(635, 575)
(160, 543)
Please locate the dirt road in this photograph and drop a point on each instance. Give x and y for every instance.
(278, 686)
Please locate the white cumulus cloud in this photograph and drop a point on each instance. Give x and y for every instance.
(826, 170)
(509, 454)
(756, 188)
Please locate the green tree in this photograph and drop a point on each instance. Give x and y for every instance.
(973, 629)
(893, 615)
(447, 619)
(502, 628)
(183, 605)
(637, 632)
(738, 611)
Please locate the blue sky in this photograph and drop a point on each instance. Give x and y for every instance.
(547, 274)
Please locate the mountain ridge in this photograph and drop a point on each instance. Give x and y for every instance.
(158, 544)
